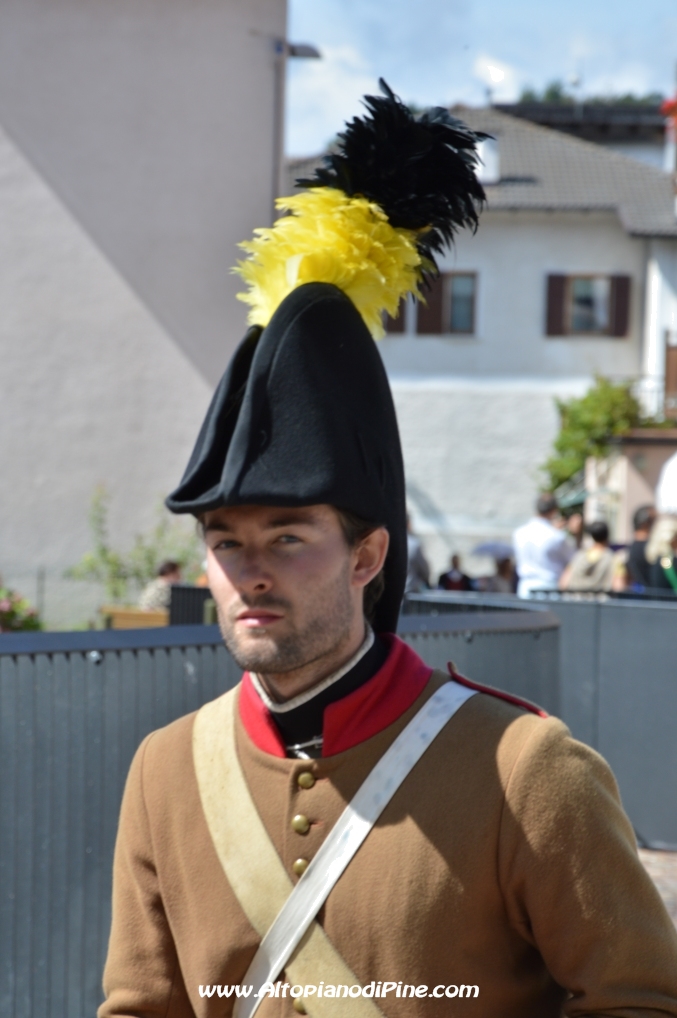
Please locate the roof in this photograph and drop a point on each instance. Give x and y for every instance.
(598, 122)
(543, 169)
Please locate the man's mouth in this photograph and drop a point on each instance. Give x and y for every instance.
(258, 618)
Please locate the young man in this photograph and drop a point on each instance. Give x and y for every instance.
(638, 568)
(501, 868)
(543, 547)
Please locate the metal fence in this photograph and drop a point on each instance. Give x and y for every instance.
(73, 709)
(617, 691)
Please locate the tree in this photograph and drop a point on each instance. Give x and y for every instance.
(587, 424)
(120, 574)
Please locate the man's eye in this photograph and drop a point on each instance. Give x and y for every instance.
(225, 545)
(288, 539)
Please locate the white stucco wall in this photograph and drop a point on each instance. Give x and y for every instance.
(472, 448)
(153, 120)
(477, 415)
(512, 253)
(91, 390)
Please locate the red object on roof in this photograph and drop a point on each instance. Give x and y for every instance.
(669, 107)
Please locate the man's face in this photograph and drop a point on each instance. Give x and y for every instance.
(285, 584)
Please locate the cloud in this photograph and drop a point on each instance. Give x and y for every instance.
(322, 95)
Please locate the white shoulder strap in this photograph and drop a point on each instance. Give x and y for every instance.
(251, 864)
(344, 839)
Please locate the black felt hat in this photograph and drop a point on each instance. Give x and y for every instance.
(304, 416)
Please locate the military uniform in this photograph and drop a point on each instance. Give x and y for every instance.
(504, 860)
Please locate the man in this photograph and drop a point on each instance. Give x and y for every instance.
(501, 869)
(157, 594)
(638, 568)
(592, 568)
(454, 578)
(543, 548)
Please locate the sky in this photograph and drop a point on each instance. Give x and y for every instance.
(439, 52)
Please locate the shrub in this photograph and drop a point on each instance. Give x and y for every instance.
(587, 424)
(16, 613)
(123, 575)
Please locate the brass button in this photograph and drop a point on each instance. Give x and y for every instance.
(298, 1006)
(300, 867)
(305, 779)
(300, 824)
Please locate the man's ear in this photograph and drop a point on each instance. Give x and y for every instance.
(369, 556)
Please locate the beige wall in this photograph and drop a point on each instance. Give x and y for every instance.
(153, 122)
(135, 151)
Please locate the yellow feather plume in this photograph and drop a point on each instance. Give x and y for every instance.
(331, 238)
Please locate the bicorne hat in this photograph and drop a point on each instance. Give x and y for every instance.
(304, 414)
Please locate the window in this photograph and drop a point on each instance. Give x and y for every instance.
(462, 303)
(449, 307)
(593, 305)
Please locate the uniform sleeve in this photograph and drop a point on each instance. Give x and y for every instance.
(574, 885)
(142, 977)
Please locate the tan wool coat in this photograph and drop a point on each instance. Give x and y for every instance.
(504, 861)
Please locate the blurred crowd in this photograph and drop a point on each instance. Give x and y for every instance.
(553, 552)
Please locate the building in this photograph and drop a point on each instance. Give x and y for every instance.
(636, 129)
(572, 273)
(138, 146)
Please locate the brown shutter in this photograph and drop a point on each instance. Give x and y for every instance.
(430, 316)
(619, 305)
(670, 380)
(554, 315)
(395, 325)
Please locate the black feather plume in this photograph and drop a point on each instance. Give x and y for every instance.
(419, 169)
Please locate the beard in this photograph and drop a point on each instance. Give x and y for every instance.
(316, 625)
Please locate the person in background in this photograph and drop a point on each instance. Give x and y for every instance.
(637, 567)
(156, 595)
(592, 568)
(454, 578)
(503, 580)
(418, 570)
(544, 546)
(661, 554)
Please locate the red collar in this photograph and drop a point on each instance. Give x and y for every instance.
(360, 715)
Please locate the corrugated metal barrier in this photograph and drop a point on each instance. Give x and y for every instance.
(73, 709)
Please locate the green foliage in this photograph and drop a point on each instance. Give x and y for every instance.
(556, 92)
(587, 424)
(122, 576)
(16, 613)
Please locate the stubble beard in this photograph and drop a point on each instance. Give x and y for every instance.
(327, 616)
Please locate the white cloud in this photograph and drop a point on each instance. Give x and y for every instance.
(322, 95)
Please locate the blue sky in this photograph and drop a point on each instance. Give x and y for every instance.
(443, 51)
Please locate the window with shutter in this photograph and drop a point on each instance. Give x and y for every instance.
(554, 316)
(619, 306)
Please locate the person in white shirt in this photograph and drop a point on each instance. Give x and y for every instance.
(543, 547)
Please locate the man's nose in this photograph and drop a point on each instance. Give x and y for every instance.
(253, 575)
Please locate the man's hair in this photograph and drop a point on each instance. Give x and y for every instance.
(168, 567)
(598, 531)
(546, 504)
(355, 529)
(643, 517)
